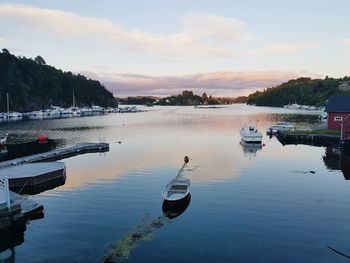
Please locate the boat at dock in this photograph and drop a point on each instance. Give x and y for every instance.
(250, 134)
(280, 127)
(3, 141)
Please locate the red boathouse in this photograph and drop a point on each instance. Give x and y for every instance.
(338, 109)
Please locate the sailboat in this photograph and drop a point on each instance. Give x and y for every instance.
(12, 116)
(3, 140)
(76, 111)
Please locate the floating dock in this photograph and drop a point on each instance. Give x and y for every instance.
(20, 211)
(57, 154)
(32, 178)
(310, 139)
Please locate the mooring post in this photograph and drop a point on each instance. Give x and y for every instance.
(4, 192)
(7, 191)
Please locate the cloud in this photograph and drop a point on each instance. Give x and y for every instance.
(226, 83)
(201, 36)
(345, 41)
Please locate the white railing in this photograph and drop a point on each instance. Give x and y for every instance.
(4, 192)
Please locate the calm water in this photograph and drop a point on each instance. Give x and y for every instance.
(247, 205)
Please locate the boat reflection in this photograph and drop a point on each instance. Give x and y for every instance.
(250, 149)
(338, 159)
(174, 209)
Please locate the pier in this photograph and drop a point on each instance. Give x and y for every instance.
(32, 178)
(310, 139)
(57, 154)
(15, 210)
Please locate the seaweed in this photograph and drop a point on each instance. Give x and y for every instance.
(142, 232)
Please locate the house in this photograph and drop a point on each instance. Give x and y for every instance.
(338, 109)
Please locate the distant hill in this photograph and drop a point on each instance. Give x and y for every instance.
(33, 85)
(138, 100)
(303, 91)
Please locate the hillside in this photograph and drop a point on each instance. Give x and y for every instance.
(32, 85)
(303, 91)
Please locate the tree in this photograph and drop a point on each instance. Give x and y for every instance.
(204, 97)
(5, 51)
(40, 60)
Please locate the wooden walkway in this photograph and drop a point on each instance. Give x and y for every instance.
(56, 154)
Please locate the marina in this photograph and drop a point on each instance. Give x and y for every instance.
(233, 190)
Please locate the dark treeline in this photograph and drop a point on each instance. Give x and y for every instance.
(185, 98)
(188, 98)
(33, 85)
(138, 100)
(303, 91)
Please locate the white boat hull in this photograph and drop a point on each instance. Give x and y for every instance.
(249, 134)
(176, 190)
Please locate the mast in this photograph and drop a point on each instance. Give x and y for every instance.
(73, 99)
(8, 104)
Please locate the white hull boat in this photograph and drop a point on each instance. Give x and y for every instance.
(281, 126)
(250, 134)
(176, 190)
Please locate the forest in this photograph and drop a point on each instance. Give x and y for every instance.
(303, 91)
(32, 84)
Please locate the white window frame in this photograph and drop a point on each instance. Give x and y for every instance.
(338, 118)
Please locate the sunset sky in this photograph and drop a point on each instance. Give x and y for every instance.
(225, 48)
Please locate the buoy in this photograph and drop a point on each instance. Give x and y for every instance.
(186, 159)
(43, 139)
(264, 144)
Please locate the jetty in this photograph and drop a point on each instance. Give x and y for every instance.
(57, 154)
(15, 210)
(310, 139)
(33, 178)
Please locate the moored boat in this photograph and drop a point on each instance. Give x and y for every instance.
(176, 190)
(250, 134)
(281, 126)
(3, 140)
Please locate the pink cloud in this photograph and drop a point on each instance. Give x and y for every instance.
(226, 83)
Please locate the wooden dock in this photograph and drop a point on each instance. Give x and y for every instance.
(310, 139)
(20, 211)
(32, 178)
(57, 154)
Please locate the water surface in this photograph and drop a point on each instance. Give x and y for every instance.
(247, 205)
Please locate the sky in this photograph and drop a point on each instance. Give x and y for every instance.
(154, 47)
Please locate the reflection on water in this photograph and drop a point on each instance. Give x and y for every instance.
(243, 210)
(174, 209)
(250, 149)
(13, 236)
(338, 159)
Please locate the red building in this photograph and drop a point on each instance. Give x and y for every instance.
(338, 109)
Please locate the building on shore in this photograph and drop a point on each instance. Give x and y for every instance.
(338, 109)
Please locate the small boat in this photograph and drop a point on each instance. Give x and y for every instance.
(176, 190)
(250, 134)
(3, 140)
(281, 126)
